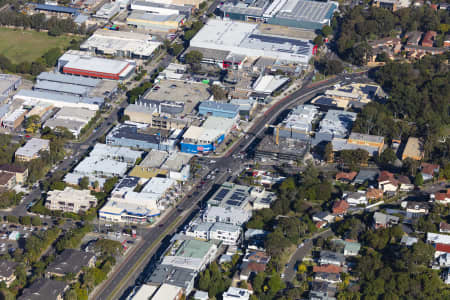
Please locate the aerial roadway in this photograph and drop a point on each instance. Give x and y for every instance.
(126, 275)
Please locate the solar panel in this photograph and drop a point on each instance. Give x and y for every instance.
(221, 194)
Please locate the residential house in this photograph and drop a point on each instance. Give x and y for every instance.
(444, 260)
(331, 258)
(70, 261)
(428, 171)
(408, 240)
(429, 38)
(327, 269)
(405, 184)
(374, 194)
(346, 177)
(415, 209)
(328, 277)
(7, 272)
(21, 172)
(444, 227)
(321, 290)
(234, 293)
(340, 207)
(365, 176)
(383, 220)
(441, 249)
(323, 216)
(201, 295)
(249, 268)
(351, 248)
(355, 198)
(7, 180)
(413, 38)
(442, 198)
(45, 289)
(387, 182)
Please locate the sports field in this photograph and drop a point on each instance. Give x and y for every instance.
(28, 45)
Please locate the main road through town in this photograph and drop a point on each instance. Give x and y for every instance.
(125, 275)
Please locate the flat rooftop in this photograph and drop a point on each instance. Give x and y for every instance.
(301, 10)
(244, 39)
(194, 249)
(190, 93)
(291, 32)
(64, 78)
(154, 159)
(94, 64)
(288, 149)
(111, 41)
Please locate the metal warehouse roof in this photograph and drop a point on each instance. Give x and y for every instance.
(96, 64)
(307, 10)
(219, 106)
(57, 8)
(62, 87)
(63, 78)
(59, 97)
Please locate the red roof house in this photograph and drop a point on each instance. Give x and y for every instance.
(340, 207)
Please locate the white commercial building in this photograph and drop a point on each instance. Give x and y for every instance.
(32, 97)
(121, 43)
(127, 205)
(191, 254)
(228, 234)
(108, 10)
(31, 149)
(70, 200)
(122, 154)
(243, 40)
(228, 215)
(71, 118)
(85, 64)
(267, 84)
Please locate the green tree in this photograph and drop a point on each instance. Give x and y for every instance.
(218, 92)
(84, 182)
(318, 41)
(275, 284)
(25, 220)
(12, 219)
(258, 282)
(326, 30)
(193, 57)
(418, 180)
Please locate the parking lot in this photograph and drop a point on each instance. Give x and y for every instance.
(12, 236)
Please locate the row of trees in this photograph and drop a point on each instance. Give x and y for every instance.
(10, 198)
(418, 105)
(357, 26)
(53, 25)
(24, 220)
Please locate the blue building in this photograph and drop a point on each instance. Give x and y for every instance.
(216, 109)
(128, 136)
(201, 140)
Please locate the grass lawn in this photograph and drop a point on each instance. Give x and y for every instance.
(28, 45)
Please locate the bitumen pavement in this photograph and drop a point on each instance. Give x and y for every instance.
(125, 276)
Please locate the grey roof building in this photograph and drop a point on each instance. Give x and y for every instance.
(231, 195)
(229, 215)
(177, 276)
(70, 261)
(44, 289)
(366, 175)
(333, 258)
(335, 124)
